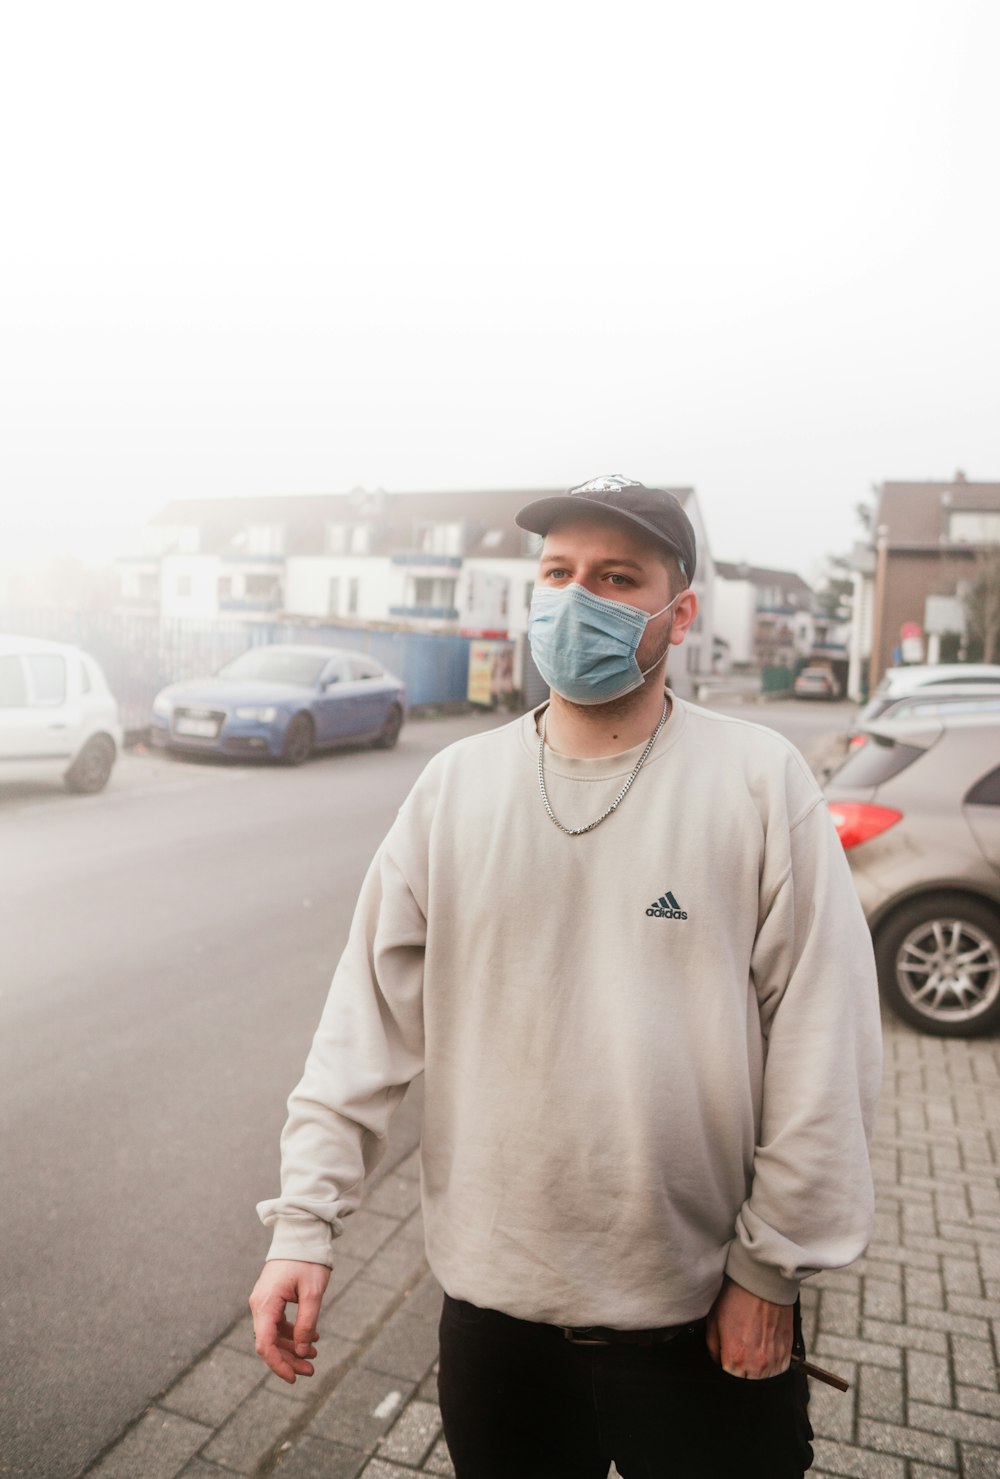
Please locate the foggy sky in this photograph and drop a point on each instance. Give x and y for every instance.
(307, 248)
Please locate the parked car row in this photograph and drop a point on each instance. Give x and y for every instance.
(916, 803)
(57, 715)
(59, 718)
(282, 702)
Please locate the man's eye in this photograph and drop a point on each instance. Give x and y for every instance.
(619, 580)
(557, 574)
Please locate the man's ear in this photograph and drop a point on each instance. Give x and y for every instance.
(684, 614)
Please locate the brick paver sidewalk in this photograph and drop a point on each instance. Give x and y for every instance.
(914, 1326)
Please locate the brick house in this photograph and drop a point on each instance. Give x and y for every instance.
(922, 562)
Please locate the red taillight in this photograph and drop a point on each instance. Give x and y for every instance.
(858, 821)
(857, 740)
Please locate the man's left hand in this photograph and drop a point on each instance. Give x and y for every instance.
(749, 1336)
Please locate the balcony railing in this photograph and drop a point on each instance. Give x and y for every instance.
(249, 557)
(426, 613)
(250, 603)
(426, 560)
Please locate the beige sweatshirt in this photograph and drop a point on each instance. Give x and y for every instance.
(651, 1053)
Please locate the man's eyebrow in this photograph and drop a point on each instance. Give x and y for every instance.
(611, 560)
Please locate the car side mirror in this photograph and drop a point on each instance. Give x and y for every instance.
(331, 681)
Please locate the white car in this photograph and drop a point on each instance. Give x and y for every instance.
(57, 715)
(901, 682)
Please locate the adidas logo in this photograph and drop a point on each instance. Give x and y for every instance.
(666, 907)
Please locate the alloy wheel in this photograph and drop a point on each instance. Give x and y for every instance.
(948, 969)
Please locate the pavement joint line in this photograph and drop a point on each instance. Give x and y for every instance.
(333, 1378)
(156, 1402)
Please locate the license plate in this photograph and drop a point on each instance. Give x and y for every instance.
(202, 728)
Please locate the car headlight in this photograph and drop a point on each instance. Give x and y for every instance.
(265, 715)
(161, 705)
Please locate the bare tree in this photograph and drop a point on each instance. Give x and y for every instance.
(982, 602)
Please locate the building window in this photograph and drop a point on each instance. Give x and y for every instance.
(262, 588)
(183, 585)
(431, 590)
(974, 528)
(333, 596)
(266, 539)
(529, 591)
(225, 587)
(348, 539)
(439, 539)
(140, 587)
(352, 596)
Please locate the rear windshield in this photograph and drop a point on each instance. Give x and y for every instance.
(265, 665)
(875, 762)
(926, 706)
(872, 709)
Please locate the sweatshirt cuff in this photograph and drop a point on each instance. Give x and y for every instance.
(306, 1241)
(759, 1278)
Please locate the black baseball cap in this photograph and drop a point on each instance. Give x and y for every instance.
(653, 510)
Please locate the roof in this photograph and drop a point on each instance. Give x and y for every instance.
(786, 580)
(10, 643)
(488, 517)
(916, 514)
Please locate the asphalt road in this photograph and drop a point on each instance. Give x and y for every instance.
(165, 949)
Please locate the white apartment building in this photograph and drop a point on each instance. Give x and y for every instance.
(763, 616)
(447, 562)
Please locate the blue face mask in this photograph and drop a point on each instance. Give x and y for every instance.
(584, 645)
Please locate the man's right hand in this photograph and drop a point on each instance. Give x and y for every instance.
(287, 1281)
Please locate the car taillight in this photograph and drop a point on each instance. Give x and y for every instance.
(858, 821)
(857, 740)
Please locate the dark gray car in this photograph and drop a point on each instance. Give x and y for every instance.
(917, 807)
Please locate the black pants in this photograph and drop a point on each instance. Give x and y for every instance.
(520, 1401)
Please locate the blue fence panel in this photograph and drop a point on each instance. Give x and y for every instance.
(434, 666)
(142, 654)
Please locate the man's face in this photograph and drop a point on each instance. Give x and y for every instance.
(607, 559)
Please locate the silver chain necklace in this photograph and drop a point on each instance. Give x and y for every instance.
(579, 831)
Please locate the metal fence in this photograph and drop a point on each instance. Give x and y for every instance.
(142, 654)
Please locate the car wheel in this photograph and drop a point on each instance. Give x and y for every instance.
(389, 733)
(939, 965)
(298, 741)
(91, 769)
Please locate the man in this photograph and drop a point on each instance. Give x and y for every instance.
(620, 938)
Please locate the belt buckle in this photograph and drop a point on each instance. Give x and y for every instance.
(578, 1335)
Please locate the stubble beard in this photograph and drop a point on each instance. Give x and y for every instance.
(621, 708)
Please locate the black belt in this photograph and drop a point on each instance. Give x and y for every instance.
(601, 1335)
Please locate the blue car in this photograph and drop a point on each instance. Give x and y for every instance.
(282, 702)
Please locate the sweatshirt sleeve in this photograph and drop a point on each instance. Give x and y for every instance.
(368, 1047)
(811, 1202)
